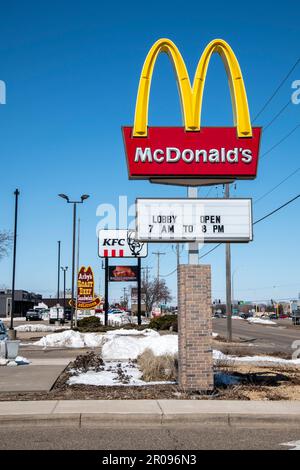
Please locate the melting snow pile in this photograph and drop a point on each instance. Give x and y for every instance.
(261, 321)
(39, 328)
(117, 344)
(129, 344)
(71, 339)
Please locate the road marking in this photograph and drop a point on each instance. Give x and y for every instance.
(294, 444)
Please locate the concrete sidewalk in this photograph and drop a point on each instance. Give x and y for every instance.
(39, 376)
(143, 413)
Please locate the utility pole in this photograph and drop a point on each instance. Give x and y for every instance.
(228, 281)
(146, 270)
(64, 269)
(177, 250)
(12, 311)
(158, 254)
(77, 270)
(124, 297)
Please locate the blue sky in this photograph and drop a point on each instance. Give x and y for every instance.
(72, 70)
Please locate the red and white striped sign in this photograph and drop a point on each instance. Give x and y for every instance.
(120, 244)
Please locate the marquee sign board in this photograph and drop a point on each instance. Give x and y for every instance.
(120, 244)
(188, 220)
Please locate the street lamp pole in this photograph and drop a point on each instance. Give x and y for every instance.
(16, 193)
(82, 199)
(58, 279)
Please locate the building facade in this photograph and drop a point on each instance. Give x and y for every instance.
(24, 301)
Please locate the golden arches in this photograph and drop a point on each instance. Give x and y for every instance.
(191, 97)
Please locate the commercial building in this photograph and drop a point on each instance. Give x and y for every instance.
(24, 301)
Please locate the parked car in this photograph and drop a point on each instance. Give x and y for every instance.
(219, 315)
(34, 315)
(3, 331)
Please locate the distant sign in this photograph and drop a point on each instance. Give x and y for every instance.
(185, 220)
(85, 290)
(120, 244)
(123, 273)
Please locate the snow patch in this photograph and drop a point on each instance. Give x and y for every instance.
(109, 376)
(39, 328)
(261, 321)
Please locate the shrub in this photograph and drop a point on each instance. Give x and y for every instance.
(157, 368)
(164, 322)
(89, 322)
(88, 361)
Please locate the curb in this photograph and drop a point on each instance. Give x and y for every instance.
(147, 413)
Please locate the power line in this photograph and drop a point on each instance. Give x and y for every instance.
(276, 90)
(257, 221)
(277, 185)
(276, 115)
(276, 210)
(279, 142)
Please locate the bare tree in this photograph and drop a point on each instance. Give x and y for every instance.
(6, 239)
(155, 291)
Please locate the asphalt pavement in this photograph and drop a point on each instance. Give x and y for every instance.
(150, 438)
(266, 338)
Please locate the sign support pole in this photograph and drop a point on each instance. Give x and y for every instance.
(139, 297)
(106, 293)
(228, 282)
(192, 192)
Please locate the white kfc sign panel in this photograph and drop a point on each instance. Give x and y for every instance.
(120, 244)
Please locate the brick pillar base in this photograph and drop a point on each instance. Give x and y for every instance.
(195, 328)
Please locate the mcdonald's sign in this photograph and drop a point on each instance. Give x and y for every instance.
(192, 152)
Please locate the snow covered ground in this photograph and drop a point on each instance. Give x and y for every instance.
(114, 373)
(219, 356)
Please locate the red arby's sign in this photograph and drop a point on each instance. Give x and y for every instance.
(212, 152)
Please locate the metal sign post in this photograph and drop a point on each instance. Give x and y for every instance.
(192, 192)
(139, 291)
(106, 293)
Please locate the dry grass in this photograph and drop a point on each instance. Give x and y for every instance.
(157, 368)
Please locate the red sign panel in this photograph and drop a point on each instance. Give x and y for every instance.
(212, 152)
(123, 273)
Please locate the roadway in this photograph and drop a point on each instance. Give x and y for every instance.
(266, 338)
(149, 438)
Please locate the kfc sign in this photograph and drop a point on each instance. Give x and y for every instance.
(120, 244)
(192, 151)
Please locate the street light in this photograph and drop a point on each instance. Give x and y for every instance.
(12, 332)
(82, 198)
